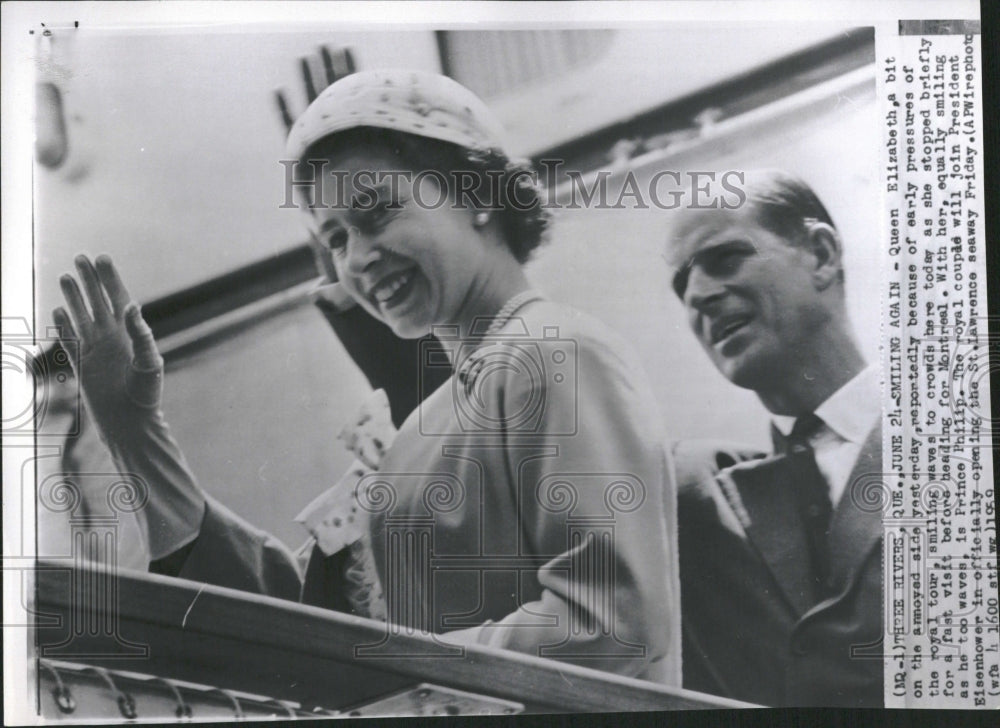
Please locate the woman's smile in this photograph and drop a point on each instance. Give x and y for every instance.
(393, 288)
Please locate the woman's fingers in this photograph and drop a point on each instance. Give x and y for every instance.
(67, 334)
(331, 73)
(95, 291)
(337, 64)
(286, 115)
(144, 351)
(78, 309)
(106, 294)
(112, 284)
(66, 331)
(307, 80)
(317, 74)
(343, 63)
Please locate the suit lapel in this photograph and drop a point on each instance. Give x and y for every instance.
(762, 495)
(856, 527)
(773, 525)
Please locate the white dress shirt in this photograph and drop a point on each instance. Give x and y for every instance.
(848, 416)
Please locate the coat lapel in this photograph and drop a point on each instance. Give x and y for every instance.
(762, 495)
(856, 527)
(767, 505)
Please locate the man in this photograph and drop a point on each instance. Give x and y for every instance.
(781, 564)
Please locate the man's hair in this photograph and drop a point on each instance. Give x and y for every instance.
(781, 203)
(784, 203)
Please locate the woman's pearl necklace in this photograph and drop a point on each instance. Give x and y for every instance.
(508, 310)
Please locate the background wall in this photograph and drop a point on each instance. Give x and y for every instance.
(172, 170)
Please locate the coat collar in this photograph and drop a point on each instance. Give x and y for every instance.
(761, 492)
(850, 412)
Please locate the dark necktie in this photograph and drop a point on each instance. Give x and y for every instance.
(812, 494)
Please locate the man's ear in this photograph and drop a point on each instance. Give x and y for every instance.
(823, 242)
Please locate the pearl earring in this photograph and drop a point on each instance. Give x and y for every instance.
(481, 219)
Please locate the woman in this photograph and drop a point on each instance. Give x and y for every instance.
(527, 503)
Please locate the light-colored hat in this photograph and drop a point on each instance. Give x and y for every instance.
(414, 102)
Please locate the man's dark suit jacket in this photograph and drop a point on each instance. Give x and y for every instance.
(755, 627)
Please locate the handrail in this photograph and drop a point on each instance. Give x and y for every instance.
(259, 644)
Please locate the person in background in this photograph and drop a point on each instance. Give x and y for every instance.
(781, 559)
(547, 427)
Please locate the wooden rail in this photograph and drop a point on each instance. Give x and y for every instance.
(235, 640)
